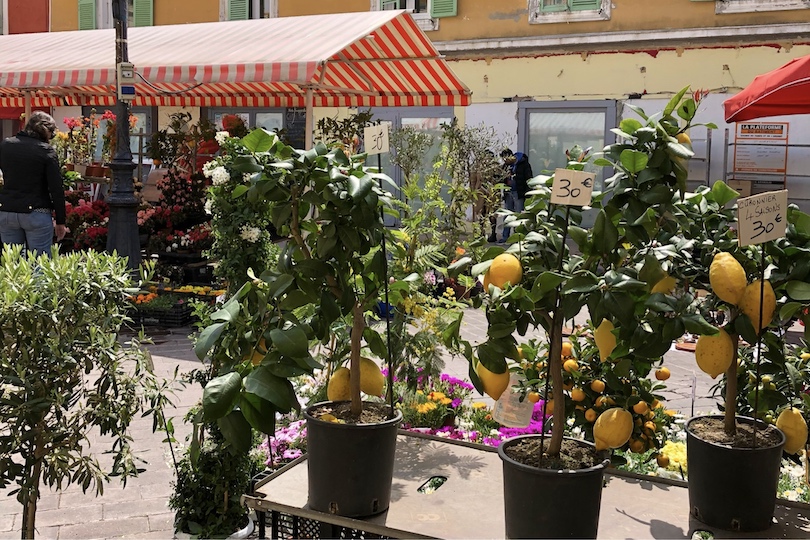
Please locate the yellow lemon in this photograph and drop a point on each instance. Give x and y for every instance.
(665, 285)
(486, 282)
(683, 138)
(613, 428)
(505, 268)
(258, 353)
(338, 387)
(605, 340)
(727, 278)
(494, 383)
(372, 381)
(792, 423)
(749, 303)
(714, 354)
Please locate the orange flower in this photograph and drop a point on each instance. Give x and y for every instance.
(460, 251)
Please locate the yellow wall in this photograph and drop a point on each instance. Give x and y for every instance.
(185, 11)
(64, 15)
(292, 8)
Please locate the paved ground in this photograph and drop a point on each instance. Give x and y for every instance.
(140, 510)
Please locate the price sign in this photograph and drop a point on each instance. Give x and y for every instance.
(376, 138)
(762, 217)
(572, 188)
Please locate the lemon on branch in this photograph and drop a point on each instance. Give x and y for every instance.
(505, 268)
(714, 354)
(727, 278)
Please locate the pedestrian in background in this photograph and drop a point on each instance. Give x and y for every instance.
(33, 195)
(517, 173)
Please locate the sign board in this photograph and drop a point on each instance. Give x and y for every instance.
(743, 187)
(761, 147)
(572, 188)
(375, 138)
(762, 217)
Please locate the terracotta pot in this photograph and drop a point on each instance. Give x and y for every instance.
(68, 166)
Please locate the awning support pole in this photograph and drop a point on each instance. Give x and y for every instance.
(309, 124)
(28, 99)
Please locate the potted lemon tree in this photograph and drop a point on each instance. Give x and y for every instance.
(623, 274)
(735, 458)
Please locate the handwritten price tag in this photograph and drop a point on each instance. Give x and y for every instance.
(572, 188)
(376, 138)
(762, 217)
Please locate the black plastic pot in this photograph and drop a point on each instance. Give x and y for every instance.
(350, 466)
(732, 488)
(538, 502)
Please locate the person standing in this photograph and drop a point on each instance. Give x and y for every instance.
(519, 174)
(32, 187)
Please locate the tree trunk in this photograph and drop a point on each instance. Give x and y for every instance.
(30, 505)
(555, 368)
(730, 425)
(358, 325)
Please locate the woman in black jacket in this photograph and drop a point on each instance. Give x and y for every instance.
(32, 187)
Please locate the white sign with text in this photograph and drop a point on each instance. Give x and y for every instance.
(762, 217)
(376, 138)
(572, 188)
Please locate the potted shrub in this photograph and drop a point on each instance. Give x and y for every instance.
(599, 383)
(735, 459)
(60, 321)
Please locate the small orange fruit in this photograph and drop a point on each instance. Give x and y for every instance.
(662, 373)
(549, 407)
(590, 415)
(641, 407)
(663, 460)
(533, 397)
(571, 365)
(567, 349)
(577, 394)
(638, 446)
(598, 386)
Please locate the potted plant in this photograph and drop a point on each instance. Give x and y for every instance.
(735, 458)
(600, 382)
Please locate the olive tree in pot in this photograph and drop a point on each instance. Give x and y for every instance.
(65, 374)
(622, 274)
(734, 460)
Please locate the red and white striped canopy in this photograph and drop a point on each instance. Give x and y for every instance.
(369, 59)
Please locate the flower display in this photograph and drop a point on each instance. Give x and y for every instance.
(109, 138)
(81, 138)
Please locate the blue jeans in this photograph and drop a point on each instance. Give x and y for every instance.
(33, 231)
(513, 202)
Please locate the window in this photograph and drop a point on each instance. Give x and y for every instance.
(555, 11)
(426, 13)
(141, 13)
(241, 10)
(98, 13)
(744, 6)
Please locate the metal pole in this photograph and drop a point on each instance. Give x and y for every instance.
(309, 121)
(122, 235)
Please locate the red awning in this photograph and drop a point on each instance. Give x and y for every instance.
(369, 59)
(785, 90)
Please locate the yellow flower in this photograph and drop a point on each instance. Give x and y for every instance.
(437, 396)
(479, 405)
(446, 401)
(420, 392)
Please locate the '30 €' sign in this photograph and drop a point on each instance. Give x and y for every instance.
(572, 188)
(762, 217)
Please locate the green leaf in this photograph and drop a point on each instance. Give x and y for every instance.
(630, 125)
(272, 388)
(291, 341)
(359, 187)
(581, 284)
(236, 431)
(633, 160)
(239, 190)
(480, 268)
(676, 99)
(259, 140)
(459, 265)
(220, 394)
(695, 324)
(280, 285)
(722, 193)
(605, 233)
(602, 162)
(260, 413)
(798, 290)
(207, 338)
(246, 164)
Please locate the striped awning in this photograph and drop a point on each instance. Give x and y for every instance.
(369, 59)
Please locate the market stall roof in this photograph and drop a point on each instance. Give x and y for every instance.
(369, 59)
(785, 90)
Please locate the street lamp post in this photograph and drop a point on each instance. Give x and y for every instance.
(122, 234)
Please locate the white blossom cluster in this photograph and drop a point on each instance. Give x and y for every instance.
(220, 176)
(209, 206)
(250, 234)
(208, 168)
(221, 137)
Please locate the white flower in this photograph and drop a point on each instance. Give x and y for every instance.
(220, 176)
(209, 167)
(250, 234)
(174, 245)
(221, 137)
(209, 206)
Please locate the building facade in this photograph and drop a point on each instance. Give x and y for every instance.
(546, 74)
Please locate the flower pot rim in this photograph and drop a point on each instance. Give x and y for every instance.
(389, 421)
(535, 470)
(744, 419)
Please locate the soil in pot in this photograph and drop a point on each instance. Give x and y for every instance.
(733, 479)
(537, 499)
(372, 413)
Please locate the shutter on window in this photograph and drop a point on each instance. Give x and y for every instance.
(443, 8)
(585, 5)
(142, 13)
(238, 10)
(87, 14)
(549, 6)
(389, 4)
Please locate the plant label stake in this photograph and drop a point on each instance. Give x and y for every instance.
(376, 140)
(761, 219)
(569, 188)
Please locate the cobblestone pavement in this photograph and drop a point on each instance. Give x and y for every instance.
(140, 510)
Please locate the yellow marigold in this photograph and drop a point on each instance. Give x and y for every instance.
(446, 401)
(420, 392)
(436, 396)
(479, 405)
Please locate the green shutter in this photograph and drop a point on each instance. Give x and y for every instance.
(87, 14)
(585, 5)
(143, 12)
(238, 10)
(389, 4)
(549, 6)
(443, 8)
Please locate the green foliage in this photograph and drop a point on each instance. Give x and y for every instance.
(60, 319)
